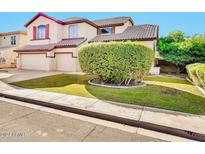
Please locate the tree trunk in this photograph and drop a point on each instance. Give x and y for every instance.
(178, 70)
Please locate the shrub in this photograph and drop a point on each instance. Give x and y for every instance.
(200, 71)
(116, 62)
(196, 73)
(181, 51)
(191, 70)
(2, 60)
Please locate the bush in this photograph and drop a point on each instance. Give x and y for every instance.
(191, 70)
(181, 51)
(196, 73)
(2, 60)
(200, 71)
(116, 62)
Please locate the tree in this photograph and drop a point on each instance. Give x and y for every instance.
(176, 36)
(180, 51)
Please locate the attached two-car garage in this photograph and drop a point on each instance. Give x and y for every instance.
(61, 56)
(40, 61)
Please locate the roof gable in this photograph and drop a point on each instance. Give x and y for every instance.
(43, 15)
(62, 22)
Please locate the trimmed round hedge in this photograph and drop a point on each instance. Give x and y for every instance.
(116, 62)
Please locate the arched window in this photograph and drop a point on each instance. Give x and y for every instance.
(41, 32)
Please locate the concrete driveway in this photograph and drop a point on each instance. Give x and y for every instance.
(15, 75)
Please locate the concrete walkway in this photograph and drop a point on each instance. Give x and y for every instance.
(15, 75)
(178, 120)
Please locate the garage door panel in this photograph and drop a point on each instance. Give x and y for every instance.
(65, 62)
(33, 62)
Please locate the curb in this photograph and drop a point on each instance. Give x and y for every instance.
(146, 125)
(116, 87)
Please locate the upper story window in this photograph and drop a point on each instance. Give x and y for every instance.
(106, 30)
(73, 31)
(41, 32)
(13, 40)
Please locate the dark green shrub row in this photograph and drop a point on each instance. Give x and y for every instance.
(196, 73)
(116, 62)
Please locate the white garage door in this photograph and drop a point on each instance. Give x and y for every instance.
(65, 62)
(33, 62)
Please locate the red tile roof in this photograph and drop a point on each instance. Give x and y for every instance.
(113, 21)
(74, 20)
(47, 47)
(70, 42)
(65, 43)
(62, 22)
(13, 33)
(97, 23)
(140, 33)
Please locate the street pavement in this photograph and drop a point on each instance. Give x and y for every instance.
(19, 123)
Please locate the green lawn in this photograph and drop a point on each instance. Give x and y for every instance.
(158, 96)
(167, 79)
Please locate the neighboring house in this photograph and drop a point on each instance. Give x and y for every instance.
(53, 44)
(10, 41)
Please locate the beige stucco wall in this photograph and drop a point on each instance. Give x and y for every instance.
(84, 30)
(9, 56)
(20, 40)
(55, 31)
(120, 29)
(5, 41)
(149, 44)
(58, 32)
(6, 49)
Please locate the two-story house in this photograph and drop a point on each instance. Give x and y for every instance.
(10, 41)
(53, 44)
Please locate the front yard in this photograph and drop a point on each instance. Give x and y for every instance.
(163, 92)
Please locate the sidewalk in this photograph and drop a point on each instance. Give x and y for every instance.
(182, 124)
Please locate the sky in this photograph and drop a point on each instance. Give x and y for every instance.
(190, 23)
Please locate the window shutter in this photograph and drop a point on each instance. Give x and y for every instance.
(47, 31)
(34, 33)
